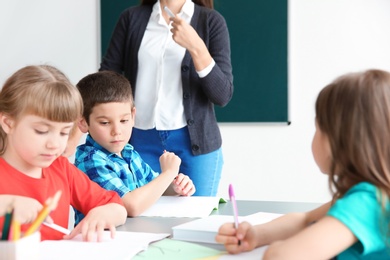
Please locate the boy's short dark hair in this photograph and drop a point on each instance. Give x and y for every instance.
(103, 87)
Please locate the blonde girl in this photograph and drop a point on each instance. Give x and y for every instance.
(38, 106)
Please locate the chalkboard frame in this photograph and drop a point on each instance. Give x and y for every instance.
(259, 51)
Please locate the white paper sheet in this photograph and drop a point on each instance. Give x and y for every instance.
(175, 206)
(125, 245)
(205, 229)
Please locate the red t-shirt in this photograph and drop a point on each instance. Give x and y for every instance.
(77, 190)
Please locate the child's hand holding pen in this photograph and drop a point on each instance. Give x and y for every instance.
(236, 237)
(229, 235)
(50, 205)
(25, 209)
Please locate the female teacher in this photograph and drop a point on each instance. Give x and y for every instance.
(178, 64)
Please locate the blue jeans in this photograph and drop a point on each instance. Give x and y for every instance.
(204, 170)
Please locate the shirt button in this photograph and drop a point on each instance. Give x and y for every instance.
(195, 147)
(190, 122)
(185, 68)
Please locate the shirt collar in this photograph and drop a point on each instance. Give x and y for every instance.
(91, 142)
(188, 8)
(186, 11)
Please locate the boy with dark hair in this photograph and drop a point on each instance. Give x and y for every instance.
(107, 157)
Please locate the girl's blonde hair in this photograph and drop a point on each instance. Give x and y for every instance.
(40, 90)
(354, 113)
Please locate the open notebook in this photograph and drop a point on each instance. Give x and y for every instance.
(180, 206)
(205, 229)
(125, 245)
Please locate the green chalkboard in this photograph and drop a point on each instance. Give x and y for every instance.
(258, 35)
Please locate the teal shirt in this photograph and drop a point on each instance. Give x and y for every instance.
(360, 210)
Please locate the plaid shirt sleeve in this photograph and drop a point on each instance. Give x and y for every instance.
(141, 170)
(102, 171)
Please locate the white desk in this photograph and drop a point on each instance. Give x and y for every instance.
(164, 225)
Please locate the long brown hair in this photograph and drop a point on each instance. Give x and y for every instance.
(206, 3)
(354, 112)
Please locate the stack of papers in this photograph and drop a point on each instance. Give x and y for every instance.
(125, 245)
(205, 229)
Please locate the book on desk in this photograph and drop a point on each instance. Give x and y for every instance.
(182, 206)
(205, 229)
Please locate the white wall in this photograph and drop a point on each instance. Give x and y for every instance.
(326, 38)
(59, 33)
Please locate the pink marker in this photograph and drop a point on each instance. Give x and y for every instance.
(235, 211)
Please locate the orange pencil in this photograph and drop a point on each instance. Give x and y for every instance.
(50, 205)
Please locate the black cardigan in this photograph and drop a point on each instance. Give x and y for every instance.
(199, 94)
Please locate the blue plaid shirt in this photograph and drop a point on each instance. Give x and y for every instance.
(110, 171)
